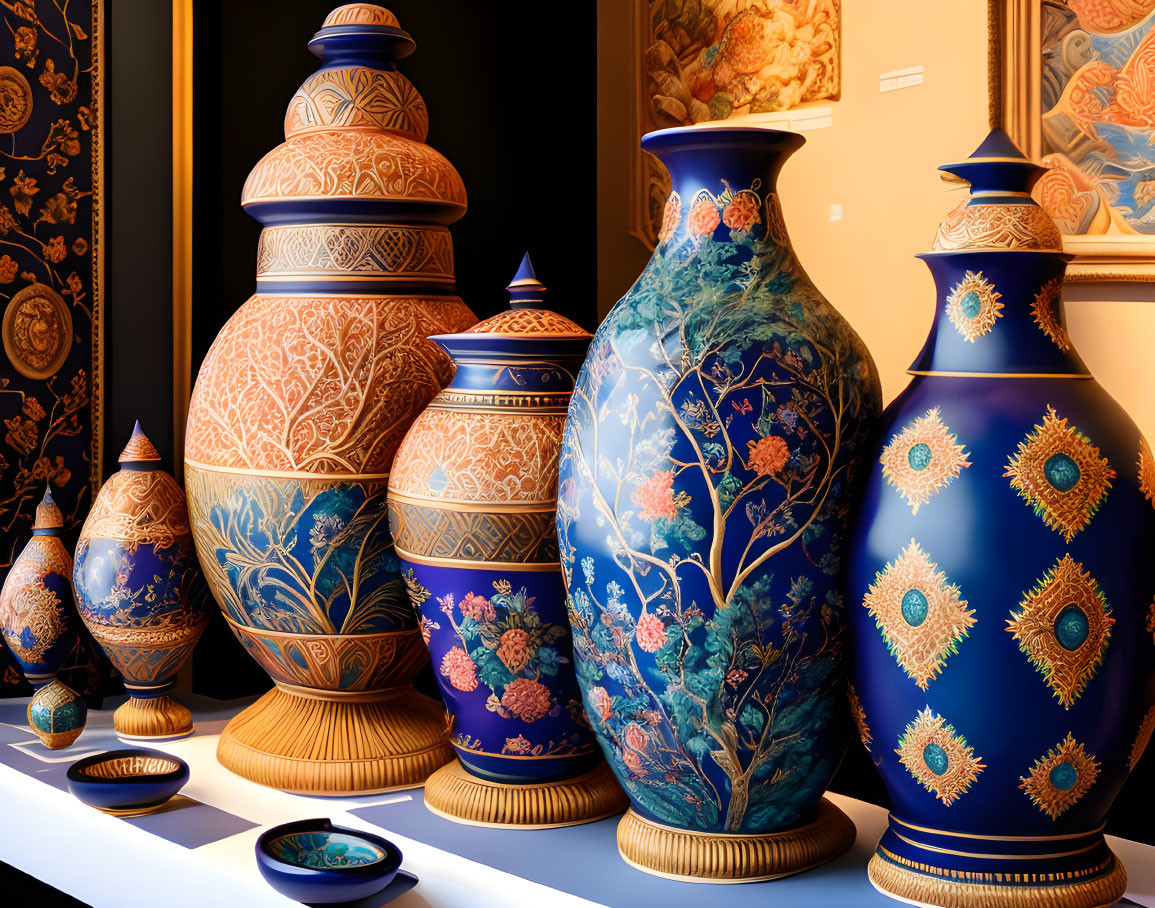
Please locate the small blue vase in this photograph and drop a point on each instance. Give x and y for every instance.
(1001, 579)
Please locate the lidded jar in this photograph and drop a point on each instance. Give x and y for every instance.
(472, 502)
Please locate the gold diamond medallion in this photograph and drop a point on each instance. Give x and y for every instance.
(923, 458)
(1060, 474)
(1045, 309)
(921, 616)
(938, 757)
(973, 306)
(1064, 626)
(1060, 777)
(1146, 729)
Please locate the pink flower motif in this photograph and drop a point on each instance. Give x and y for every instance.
(651, 635)
(602, 703)
(655, 496)
(634, 762)
(459, 669)
(527, 699)
(477, 607)
(635, 737)
(735, 677)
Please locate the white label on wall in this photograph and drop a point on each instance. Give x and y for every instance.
(900, 78)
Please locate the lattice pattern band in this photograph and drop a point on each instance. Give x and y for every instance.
(516, 538)
(390, 253)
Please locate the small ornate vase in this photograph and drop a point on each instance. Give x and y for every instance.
(1001, 580)
(139, 588)
(472, 501)
(705, 482)
(37, 619)
(298, 410)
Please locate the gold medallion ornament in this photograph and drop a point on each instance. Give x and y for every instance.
(974, 306)
(938, 757)
(1146, 465)
(37, 331)
(922, 459)
(1060, 777)
(859, 715)
(15, 100)
(1064, 626)
(1146, 729)
(921, 616)
(1045, 309)
(1060, 474)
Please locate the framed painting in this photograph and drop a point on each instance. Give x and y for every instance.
(703, 62)
(1072, 79)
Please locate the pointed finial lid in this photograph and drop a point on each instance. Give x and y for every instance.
(48, 514)
(139, 449)
(525, 290)
(999, 212)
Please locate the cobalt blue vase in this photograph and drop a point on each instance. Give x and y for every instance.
(706, 479)
(473, 501)
(1001, 579)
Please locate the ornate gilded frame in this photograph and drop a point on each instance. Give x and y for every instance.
(1014, 77)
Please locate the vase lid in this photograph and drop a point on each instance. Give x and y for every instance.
(526, 318)
(139, 449)
(998, 212)
(48, 513)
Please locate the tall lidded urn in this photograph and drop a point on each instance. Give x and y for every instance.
(473, 502)
(38, 621)
(299, 408)
(1001, 580)
(139, 588)
(707, 471)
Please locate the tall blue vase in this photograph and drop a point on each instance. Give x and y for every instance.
(1001, 579)
(706, 478)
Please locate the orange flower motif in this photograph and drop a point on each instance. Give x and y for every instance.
(634, 762)
(651, 635)
(704, 217)
(527, 699)
(655, 496)
(23, 189)
(55, 250)
(671, 217)
(514, 649)
(768, 455)
(459, 669)
(8, 269)
(32, 408)
(742, 212)
(635, 737)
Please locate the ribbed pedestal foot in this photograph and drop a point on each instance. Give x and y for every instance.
(309, 745)
(917, 888)
(704, 857)
(155, 717)
(458, 795)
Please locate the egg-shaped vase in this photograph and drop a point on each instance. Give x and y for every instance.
(707, 472)
(39, 622)
(299, 408)
(473, 500)
(139, 588)
(1001, 579)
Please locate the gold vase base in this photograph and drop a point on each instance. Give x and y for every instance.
(140, 719)
(915, 888)
(309, 745)
(455, 793)
(700, 857)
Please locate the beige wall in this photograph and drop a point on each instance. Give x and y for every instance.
(878, 162)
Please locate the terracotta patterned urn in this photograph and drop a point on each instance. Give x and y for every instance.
(39, 622)
(472, 502)
(299, 408)
(139, 588)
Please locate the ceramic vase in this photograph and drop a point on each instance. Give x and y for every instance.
(38, 622)
(473, 501)
(139, 589)
(706, 476)
(1001, 579)
(299, 408)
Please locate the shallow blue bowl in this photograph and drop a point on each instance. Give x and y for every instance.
(127, 781)
(314, 861)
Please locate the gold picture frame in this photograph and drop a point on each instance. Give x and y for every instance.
(1016, 85)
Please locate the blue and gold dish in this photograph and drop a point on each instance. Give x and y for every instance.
(128, 782)
(315, 862)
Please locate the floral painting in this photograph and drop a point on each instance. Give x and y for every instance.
(51, 166)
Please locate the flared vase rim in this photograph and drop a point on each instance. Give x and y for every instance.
(721, 136)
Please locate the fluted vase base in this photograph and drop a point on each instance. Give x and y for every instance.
(456, 794)
(918, 888)
(310, 744)
(152, 718)
(702, 857)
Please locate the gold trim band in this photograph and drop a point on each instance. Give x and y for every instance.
(1080, 375)
(478, 507)
(289, 474)
(529, 567)
(331, 277)
(997, 857)
(343, 696)
(996, 838)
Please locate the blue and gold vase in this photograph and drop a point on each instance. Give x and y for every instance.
(1001, 579)
(472, 500)
(139, 588)
(298, 410)
(37, 618)
(706, 478)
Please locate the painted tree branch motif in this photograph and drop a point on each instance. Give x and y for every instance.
(708, 443)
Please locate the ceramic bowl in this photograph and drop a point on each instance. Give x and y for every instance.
(314, 861)
(130, 781)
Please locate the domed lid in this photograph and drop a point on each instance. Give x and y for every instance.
(525, 318)
(48, 514)
(999, 212)
(139, 453)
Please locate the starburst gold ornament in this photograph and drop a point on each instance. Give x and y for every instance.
(938, 757)
(1060, 474)
(1045, 309)
(1060, 777)
(973, 306)
(922, 459)
(1063, 626)
(1146, 729)
(921, 616)
(859, 715)
(1146, 466)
